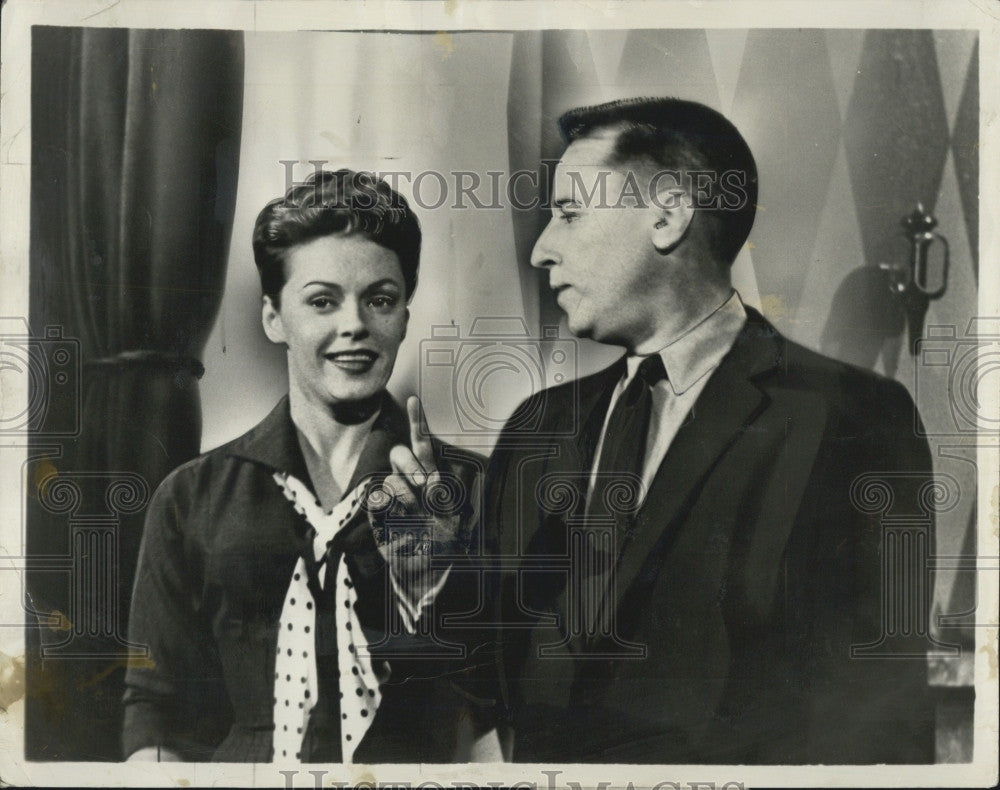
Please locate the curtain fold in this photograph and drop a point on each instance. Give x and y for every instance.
(135, 154)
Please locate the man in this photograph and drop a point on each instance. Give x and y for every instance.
(678, 570)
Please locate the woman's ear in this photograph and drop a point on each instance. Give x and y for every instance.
(406, 324)
(672, 218)
(270, 318)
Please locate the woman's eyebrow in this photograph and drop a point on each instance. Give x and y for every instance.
(383, 282)
(323, 283)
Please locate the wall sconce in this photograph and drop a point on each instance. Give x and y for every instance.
(924, 276)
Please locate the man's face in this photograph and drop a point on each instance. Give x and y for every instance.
(599, 250)
(342, 315)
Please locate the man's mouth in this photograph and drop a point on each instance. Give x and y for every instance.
(358, 361)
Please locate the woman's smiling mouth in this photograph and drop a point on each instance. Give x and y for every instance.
(356, 361)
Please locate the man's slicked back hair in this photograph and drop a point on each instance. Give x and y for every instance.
(675, 134)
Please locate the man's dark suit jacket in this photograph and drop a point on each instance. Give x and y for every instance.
(747, 577)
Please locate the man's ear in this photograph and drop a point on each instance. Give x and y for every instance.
(270, 318)
(406, 324)
(673, 213)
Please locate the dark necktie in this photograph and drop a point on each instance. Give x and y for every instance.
(616, 495)
(624, 447)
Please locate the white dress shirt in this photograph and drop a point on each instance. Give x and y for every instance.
(689, 361)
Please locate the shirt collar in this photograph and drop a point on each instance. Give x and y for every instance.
(700, 349)
(274, 442)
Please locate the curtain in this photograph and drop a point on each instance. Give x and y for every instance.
(135, 153)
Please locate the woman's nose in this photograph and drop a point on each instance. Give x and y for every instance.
(351, 320)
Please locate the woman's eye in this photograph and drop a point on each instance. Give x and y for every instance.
(321, 302)
(382, 302)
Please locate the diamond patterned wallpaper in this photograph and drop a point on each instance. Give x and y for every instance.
(895, 135)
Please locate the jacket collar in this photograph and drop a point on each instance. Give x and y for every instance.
(274, 442)
(758, 347)
(697, 352)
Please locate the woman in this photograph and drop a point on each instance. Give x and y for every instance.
(261, 593)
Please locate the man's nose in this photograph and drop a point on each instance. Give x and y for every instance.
(544, 253)
(351, 319)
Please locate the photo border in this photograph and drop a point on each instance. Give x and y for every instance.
(430, 15)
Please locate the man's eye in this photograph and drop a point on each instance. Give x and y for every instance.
(382, 302)
(567, 218)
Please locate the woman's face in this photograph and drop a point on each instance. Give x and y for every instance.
(342, 315)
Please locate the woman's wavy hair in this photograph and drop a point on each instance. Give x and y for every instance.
(335, 203)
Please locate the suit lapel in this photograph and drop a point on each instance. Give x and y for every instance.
(572, 465)
(730, 401)
(577, 426)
